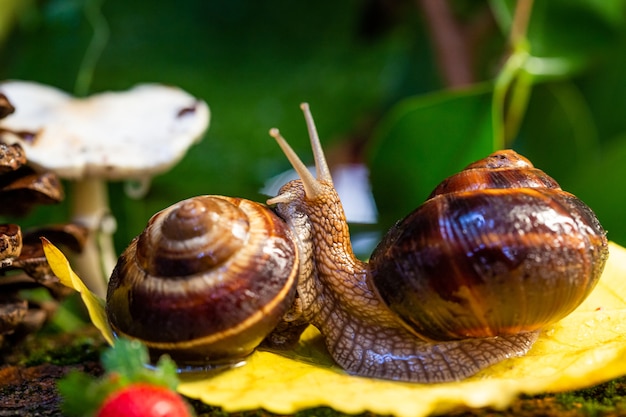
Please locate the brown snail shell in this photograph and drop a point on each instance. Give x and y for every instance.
(497, 249)
(206, 281)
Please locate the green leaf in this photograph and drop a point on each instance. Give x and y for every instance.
(559, 133)
(605, 91)
(81, 394)
(600, 183)
(129, 359)
(558, 49)
(552, 31)
(165, 373)
(423, 140)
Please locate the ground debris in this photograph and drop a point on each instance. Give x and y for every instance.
(31, 391)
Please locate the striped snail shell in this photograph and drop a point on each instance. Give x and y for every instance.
(497, 249)
(206, 280)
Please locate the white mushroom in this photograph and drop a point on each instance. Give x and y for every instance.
(131, 135)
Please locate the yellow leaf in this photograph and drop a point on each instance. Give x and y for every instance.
(95, 305)
(585, 348)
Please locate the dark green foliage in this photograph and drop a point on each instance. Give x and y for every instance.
(79, 351)
(604, 399)
(353, 61)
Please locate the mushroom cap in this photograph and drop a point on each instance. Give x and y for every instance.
(112, 135)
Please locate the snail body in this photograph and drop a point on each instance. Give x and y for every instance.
(495, 254)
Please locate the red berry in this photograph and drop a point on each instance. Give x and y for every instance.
(144, 400)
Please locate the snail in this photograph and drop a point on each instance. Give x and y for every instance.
(496, 253)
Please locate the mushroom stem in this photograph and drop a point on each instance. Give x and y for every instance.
(90, 208)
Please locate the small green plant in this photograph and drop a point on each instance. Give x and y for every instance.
(128, 385)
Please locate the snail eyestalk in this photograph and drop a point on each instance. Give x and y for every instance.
(321, 167)
(283, 198)
(312, 187)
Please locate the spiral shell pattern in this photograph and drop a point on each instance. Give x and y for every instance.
(206, 281)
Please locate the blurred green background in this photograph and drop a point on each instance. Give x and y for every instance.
(406, 87)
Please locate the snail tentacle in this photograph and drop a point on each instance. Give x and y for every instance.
(321, 166)
(311, 185)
